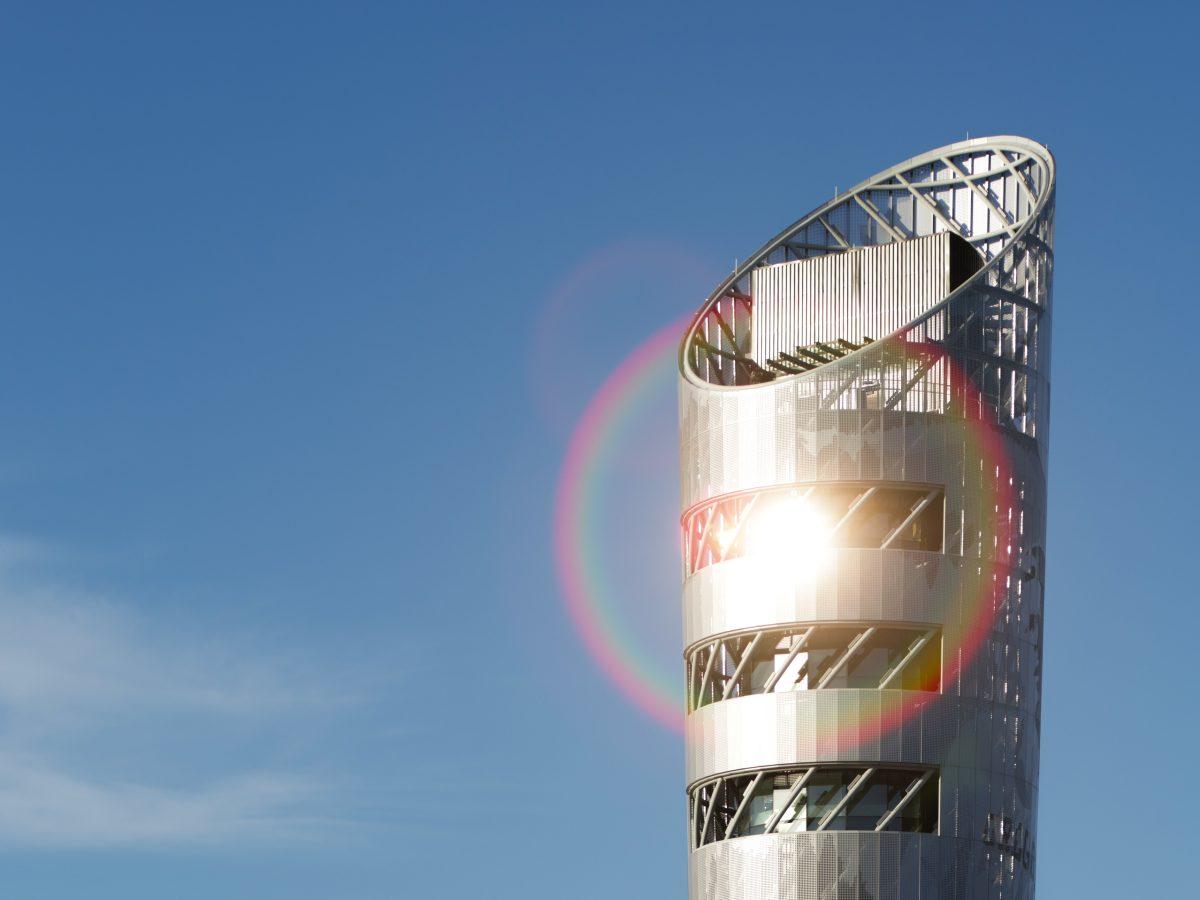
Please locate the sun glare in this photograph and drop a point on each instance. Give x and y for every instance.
(790, 534)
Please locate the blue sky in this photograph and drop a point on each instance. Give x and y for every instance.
(301, 302)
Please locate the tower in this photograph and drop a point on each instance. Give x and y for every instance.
(864, 410)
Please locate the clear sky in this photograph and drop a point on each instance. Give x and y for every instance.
(300, 304)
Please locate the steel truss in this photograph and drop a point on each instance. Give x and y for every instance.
(813, 657)
(988, 195)
(878, 516)
(814, 798)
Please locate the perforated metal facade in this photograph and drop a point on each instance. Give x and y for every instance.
(806, 759)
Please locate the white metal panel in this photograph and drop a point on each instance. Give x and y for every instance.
(864, 292)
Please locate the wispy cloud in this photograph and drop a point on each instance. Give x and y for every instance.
(40, 806)
(86, 683)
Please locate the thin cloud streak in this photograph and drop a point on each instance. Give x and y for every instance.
(70, 664)
(42, 807)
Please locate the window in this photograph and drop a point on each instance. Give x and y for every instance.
(815, 657)
(792, 523)
(815, 798)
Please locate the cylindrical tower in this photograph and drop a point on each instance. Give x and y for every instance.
(864, 434)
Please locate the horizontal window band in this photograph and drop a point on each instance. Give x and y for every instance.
(799, 799)
(796, 525)
(871, 656)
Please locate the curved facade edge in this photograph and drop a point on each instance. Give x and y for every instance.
(852, 864)
(851, 726)
(775, 434)
(897, 586)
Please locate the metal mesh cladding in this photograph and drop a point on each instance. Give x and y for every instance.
(948, 408)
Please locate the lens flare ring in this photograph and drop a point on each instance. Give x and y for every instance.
(578, 554)
(581, 560)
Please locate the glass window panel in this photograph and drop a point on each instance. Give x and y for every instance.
(795, 817)
(869, 804)
(794, 675)
(925, 532)
(771, 791)
(924, 671)
(920, 813)
(831, 501)
(878, 655)
(729, 796)
(824, 791)
(824, 648)
(704, 801)
(772, 659)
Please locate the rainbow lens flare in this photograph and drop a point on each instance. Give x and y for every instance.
(583, 560)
